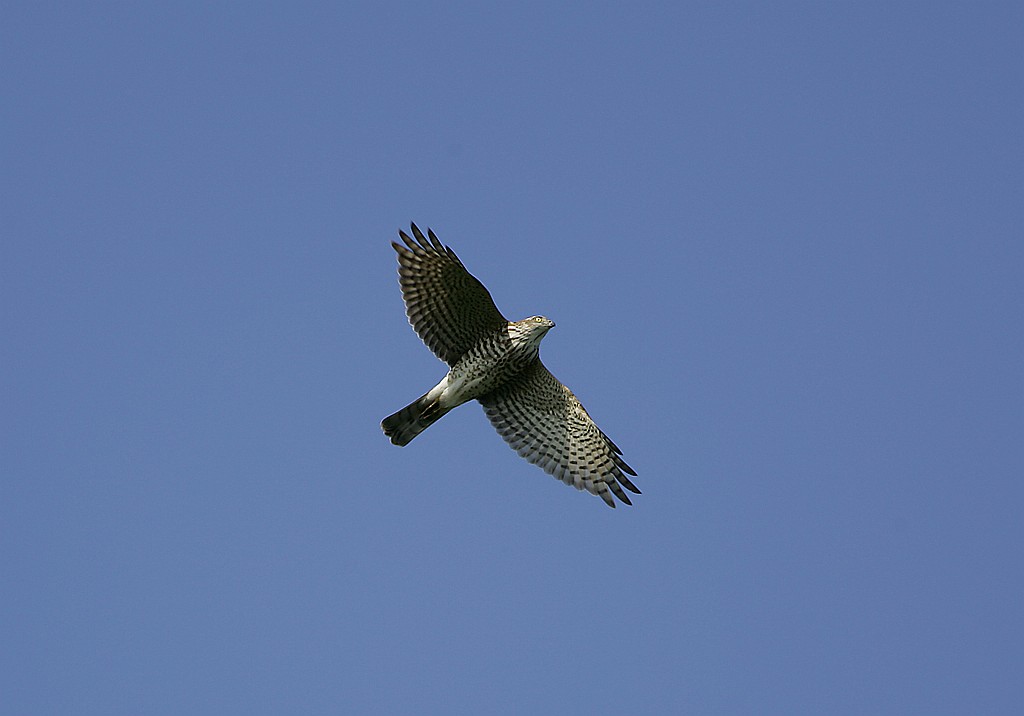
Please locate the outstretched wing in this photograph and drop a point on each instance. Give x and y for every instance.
(448, 308)
(544, 422)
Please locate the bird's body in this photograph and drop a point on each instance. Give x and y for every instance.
(488, 364)
(497, 362)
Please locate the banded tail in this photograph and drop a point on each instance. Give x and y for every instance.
(413, 419)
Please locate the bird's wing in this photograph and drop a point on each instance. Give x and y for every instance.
(448, 308)
(544, 422)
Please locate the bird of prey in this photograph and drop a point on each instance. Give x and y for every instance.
(496, 362)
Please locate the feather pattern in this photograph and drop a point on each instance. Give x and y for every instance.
(449, 309)
(547, 425)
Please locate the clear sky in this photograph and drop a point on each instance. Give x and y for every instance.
(783, 247)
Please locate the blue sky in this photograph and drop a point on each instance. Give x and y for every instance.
(783, 247)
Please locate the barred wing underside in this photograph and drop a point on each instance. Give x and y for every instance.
(544, 422)
(448, 308)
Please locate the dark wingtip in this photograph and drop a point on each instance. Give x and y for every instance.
(430, 242)
(420, 238)
(438, 246)
(621, 464)
(409, 243)
(625, 482)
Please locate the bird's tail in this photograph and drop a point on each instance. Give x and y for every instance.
(413, 419)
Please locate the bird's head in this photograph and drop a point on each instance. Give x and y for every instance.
(530, 330)
(539, 322)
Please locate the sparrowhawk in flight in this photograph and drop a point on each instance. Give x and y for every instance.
(496, 362)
